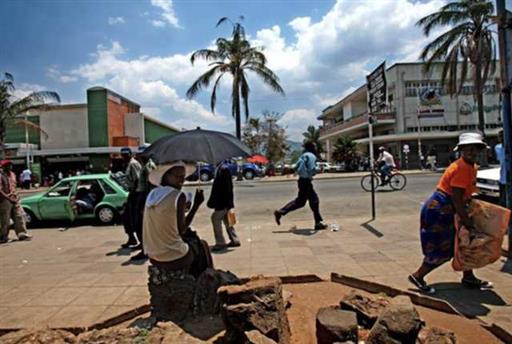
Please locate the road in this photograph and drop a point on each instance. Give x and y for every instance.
(256, 201)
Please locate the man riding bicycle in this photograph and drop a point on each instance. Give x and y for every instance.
(388, 164)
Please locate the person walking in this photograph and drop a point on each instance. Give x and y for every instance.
(132, 178)
(305, 167)
(10, 207)
(221, 201)
(143, 189)
(26, 178)
(500, 156)
(451, 197)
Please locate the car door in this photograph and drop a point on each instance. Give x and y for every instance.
(55, 204)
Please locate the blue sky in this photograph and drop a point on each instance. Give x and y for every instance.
(321, 50)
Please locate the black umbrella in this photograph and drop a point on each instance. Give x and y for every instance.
(197, 145)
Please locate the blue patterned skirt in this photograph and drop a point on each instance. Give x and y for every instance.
(437, 229)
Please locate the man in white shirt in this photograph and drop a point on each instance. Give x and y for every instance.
(387, 166)
(26, 178)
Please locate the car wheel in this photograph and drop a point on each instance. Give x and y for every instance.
(30, 219)
(249, 175)
(205, 176)
(105, 215)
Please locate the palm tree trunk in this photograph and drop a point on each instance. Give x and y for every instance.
(236, 105)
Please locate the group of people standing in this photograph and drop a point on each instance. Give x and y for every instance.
(10, 207)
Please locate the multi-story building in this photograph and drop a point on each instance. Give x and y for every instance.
(85, 136)
(406, 122)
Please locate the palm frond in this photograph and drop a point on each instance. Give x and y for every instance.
(34, 100)
(205, 54)
(213, 98)
(202, 82)
(268, 77)
(31, 125)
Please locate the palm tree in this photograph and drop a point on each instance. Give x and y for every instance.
(11, 107)
(345, 151)
(469, 42)
(236, 57)
(312, 134)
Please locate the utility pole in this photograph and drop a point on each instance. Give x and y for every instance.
(505, 42)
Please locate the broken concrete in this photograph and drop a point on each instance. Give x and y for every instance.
(436, 335)
(367, 308)
(335, 325)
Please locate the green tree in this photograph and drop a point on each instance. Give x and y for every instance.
(11, 107)
(312, 134)
(468, 43)
(345, 151)
(274, 137)
(253, 136)
(234, 56)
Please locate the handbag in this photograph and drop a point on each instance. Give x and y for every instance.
(231, 217)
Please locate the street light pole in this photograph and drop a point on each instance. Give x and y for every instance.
(505, 42)
(27, 140)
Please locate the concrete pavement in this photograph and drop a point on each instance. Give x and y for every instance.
(78, 277)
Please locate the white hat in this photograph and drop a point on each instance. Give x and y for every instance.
(155, 176)
(470, 139)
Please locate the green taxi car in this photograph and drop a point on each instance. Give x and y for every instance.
(91, 196)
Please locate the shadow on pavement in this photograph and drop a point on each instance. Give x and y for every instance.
(372, 229)
(470, 302)
(120, 252)
(507, 267)
(298, 231)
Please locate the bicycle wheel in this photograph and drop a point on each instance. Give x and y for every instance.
(398, 181)
(366, 182)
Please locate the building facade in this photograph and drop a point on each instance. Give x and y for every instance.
(83, 136)
(406, 122)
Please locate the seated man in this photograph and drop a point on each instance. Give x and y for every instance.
(86, 200)
(388, 164)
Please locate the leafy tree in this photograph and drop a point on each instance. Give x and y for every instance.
(234, 56)
(468, 43)
(253, 136)
(312, 134)
(345, 151)
(11, 107)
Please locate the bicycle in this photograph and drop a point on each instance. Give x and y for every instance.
(397, 181)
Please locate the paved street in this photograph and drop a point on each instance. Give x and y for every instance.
(78, 277)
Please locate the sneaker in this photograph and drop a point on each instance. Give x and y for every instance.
(218, 248)
(421, 285)
(136, 247)
(24, 236)
(475, 283)
(130, 242)
(234, 244)
(139, 256)
(277, 216)
(320, 226)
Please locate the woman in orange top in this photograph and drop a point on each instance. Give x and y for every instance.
(437, 231)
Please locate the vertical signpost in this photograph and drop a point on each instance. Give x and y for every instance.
(377, 97)
(505, 40)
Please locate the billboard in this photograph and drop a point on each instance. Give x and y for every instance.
(376, 87)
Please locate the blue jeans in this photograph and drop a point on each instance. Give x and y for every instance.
(386, 172)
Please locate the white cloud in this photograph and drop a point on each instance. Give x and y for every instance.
(116, 20)
(297, 120)
(168, 16)
(25, 89)
(55, 74)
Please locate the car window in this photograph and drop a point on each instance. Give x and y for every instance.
(120, 179)
(62, 189)
(107, 188)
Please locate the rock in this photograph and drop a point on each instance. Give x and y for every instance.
(256, 337)
(169, 333)
(335, 325)
(287, 296)
(206, 300)
(367, 308)
(399, 323)
(111, 336)
(436, 335)
(31, 336)
(257, 304)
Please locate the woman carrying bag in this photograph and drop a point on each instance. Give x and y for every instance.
(221, 201)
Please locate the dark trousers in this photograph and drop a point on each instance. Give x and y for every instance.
(139, 213)
(129, 215)
(503, 195)
(306, 194)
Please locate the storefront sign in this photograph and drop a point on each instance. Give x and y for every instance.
(377, 89)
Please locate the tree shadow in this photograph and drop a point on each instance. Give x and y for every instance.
(470, 302)
(299, 231)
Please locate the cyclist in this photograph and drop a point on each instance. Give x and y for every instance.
(386, 163)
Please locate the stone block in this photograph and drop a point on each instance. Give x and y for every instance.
(399, 323)
(367, 308)
(31, 336)
(436, 335)
(335, 325)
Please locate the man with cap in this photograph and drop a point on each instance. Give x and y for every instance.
(10, 207)
(143, 189)
(388, 164)
(437, 220)
(132, 178)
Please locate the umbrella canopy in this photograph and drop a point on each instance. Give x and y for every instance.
(259, 159)
(197, 145)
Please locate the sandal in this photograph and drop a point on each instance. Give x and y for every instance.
(421, 285)
(476, 283)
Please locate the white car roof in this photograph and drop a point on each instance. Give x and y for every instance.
(491, 173)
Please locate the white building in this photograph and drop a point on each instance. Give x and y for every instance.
(398, 124)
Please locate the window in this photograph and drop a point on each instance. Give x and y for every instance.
(106, 187)
(62, 189)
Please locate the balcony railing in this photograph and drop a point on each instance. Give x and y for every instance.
(386, 114)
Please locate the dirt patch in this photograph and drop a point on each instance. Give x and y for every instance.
(309, 297)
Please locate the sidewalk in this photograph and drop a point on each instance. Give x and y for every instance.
(79, 277)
